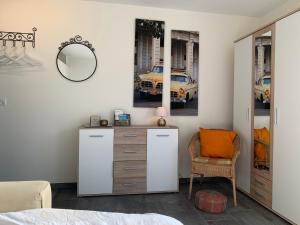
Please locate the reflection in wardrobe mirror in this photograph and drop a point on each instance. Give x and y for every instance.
(262, 100)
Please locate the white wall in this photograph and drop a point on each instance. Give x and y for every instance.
(39, 126)
(278, 12)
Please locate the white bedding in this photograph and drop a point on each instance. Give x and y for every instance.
(80, 217)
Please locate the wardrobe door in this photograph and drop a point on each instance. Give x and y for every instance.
(286, 154)
(242, 108)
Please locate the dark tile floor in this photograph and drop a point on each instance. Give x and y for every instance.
(176, 205)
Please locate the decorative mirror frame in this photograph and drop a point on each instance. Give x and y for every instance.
(77, 40)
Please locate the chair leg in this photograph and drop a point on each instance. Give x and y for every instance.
(191, 186)
(234, 191)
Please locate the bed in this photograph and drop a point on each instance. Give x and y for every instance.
(81, 217)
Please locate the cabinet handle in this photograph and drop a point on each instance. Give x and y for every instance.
(259, 182)
(130, 168)
(162, 135)
(128, 184)
(259, 195)
(128, 151)
(96, 136)
(130, 135)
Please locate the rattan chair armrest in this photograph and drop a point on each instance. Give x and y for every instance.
(236, 143)
(193, 151)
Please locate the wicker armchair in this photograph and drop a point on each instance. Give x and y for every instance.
(212, 167)
(262, 164)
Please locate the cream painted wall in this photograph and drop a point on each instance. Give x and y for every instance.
(39, 126)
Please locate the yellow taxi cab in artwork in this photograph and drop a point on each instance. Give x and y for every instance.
(151, 84)
(183, 88)
(262, 89)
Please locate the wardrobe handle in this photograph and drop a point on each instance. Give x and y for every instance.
(248, 114)
(276, 116)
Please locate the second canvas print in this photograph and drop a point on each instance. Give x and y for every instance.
(184, 73)
(148, 63)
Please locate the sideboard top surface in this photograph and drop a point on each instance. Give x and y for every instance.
(132, 126)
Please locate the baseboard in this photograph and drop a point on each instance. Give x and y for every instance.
(63, 186)
(181, 181)
(74, 185)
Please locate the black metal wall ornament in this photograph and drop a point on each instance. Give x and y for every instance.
(82, 51)
(14, 37)
(76, 40)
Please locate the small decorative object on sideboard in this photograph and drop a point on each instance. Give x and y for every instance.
(161, 112)
(121, 118)
(103, 123)
(95, 121)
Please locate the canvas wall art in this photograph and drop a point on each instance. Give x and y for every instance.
(184, 73)
(148, 63)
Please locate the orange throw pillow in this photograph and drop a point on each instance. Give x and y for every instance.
(217, 143)
(260, 150)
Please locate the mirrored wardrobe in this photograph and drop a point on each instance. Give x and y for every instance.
(266, 115)
(262, 116)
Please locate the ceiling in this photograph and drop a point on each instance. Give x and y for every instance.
(252, 8)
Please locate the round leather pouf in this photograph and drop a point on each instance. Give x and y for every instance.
(210, 201)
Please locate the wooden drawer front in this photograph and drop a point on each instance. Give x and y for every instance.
(262, 173)
(130, 136)
(262, 196)
(129, 185)
(129, 169)
(262, 183)
(130, 152)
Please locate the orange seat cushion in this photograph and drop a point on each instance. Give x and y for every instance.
(217, 143)
(260, 150)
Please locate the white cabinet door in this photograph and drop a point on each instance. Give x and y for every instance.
(242, 109)
(286, 143)
(162, 160)
(95, 161)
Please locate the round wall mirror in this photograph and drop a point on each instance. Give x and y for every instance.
(76, 60)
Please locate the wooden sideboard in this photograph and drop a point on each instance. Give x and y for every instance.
(127, 160)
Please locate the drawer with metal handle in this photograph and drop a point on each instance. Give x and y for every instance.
(130, 169)
(130, 152)
(261, 183)
(129, 185)
(127, 135)
(262, 196)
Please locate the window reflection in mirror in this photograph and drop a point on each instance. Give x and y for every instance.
(262, 100)
(76, 62)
